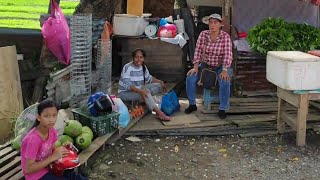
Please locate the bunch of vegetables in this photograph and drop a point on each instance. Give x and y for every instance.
(275, 34)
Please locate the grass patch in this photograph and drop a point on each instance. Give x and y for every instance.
(24, 2)
(18, 15)
(26, 14)
(33, 10)
(63, 4)
(19, 23)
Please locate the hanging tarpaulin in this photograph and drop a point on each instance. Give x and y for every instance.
(248, 13)
(314, 2)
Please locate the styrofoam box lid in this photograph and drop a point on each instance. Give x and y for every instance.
(293, 56)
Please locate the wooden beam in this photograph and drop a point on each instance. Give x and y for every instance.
(214, 131)
(288, 96)
(289, 120)
(5, 151)
(314, 96)
(12, 172)
(252, 100)
(9, 166)
(5, 145)
(258, 134)
(314, 104)
(281, 109)
(8, 157)
(302, 119)
(18, 176)
(242, 110)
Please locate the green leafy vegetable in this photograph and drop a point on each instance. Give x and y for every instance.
(275, 34)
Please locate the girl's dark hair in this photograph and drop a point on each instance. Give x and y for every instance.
(134, 52)
(48, 103)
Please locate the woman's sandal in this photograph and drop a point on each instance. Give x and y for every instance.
(162, 117)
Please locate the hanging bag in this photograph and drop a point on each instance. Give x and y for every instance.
(208, 76)
(56, 34)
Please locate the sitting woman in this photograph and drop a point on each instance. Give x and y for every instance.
(136, 84)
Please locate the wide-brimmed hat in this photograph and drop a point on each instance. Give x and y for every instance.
(206, 19)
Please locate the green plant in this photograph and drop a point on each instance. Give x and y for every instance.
(57, 67)
(306, 37)
(275, 34)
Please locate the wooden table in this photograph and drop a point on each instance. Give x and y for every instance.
(301, 101)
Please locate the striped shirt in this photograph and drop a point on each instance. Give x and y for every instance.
(133, 76)
(217, 53)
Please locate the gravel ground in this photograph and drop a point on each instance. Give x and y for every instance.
(269, 157)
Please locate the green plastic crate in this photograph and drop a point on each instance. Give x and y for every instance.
(99, 125)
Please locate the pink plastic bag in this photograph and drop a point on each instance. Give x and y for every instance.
(56, 34)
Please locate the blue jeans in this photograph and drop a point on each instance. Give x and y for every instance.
(224, 89)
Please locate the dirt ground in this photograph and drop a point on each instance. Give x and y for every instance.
(270, 157)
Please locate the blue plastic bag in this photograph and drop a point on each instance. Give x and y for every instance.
(124, 118)
(170, 103)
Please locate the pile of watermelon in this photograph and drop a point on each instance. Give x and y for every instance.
(74, 132)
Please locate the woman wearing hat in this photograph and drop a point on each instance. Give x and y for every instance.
(217, 47)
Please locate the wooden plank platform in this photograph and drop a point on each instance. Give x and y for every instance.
(10, 163)
(247, 117)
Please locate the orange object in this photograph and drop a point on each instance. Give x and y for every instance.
(131, 115)
(137, 111)
(135, 7)
(141, 110)
(107, 31)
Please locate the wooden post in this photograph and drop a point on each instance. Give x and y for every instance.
(11, 103)
(280, 121)
(302, 119)
(189, 26)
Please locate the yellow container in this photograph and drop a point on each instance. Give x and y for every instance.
(135, 7)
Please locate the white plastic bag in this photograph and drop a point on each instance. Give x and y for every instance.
(60, 123)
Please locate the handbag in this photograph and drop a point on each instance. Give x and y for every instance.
(208, 76)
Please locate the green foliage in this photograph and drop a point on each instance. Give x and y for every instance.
(26, 14)
(275, 34)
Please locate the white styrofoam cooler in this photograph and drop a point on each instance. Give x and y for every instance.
(128, 25)
(293, 70)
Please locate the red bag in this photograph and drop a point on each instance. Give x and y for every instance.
(56, 34)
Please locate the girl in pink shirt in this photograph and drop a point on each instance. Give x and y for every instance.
(38, 151)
